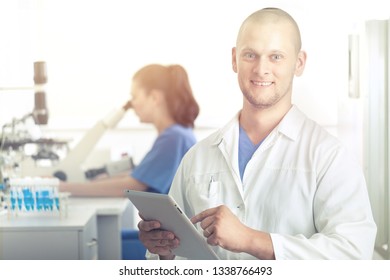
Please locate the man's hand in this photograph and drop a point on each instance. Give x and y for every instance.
(156, 240)
(222, 228)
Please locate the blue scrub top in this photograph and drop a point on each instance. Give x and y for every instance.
(159, 165)
(246, 149)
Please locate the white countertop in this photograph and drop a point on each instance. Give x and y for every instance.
(102, 205)
(76, 219)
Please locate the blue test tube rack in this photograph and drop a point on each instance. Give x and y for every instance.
(36, 195)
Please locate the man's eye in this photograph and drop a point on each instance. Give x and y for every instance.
(276, 57)
(250, 55)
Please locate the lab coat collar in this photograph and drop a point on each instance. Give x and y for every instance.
(226, 139)
(222, 133)
(290, 125)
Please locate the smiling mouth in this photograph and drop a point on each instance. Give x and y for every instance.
(262, 84)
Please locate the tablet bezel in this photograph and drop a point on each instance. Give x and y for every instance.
(163, 208)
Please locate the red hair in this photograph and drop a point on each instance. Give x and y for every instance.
(173, 81)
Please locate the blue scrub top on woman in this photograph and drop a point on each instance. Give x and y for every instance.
(159, 165)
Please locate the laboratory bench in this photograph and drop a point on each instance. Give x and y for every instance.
(49, 236)
(112, 215)
(91, 230)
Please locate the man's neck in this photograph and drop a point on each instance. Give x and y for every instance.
(259, 122)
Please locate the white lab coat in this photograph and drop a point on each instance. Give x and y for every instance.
(301, 186)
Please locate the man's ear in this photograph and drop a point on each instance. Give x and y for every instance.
(234, 60)
(301, 62)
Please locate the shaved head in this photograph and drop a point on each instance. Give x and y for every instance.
(271, 15)
(267, 57)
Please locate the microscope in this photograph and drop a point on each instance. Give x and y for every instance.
(68, 168)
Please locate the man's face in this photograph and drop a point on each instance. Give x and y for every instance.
(265, 60)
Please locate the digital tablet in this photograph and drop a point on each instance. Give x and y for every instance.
(163, 208)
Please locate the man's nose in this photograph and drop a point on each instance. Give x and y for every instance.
(262, 67)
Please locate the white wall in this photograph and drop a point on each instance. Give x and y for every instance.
(92, 48)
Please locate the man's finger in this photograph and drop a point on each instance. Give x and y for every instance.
(148, 225)
(202, 215)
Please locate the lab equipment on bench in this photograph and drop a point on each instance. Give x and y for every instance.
(35, 196)
(53, 157)
(71, 167)
(112, 168)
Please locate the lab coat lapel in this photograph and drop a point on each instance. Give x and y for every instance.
(228, 145)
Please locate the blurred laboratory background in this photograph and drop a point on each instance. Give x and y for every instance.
(66, 69)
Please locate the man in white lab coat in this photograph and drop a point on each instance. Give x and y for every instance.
(271, 184)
